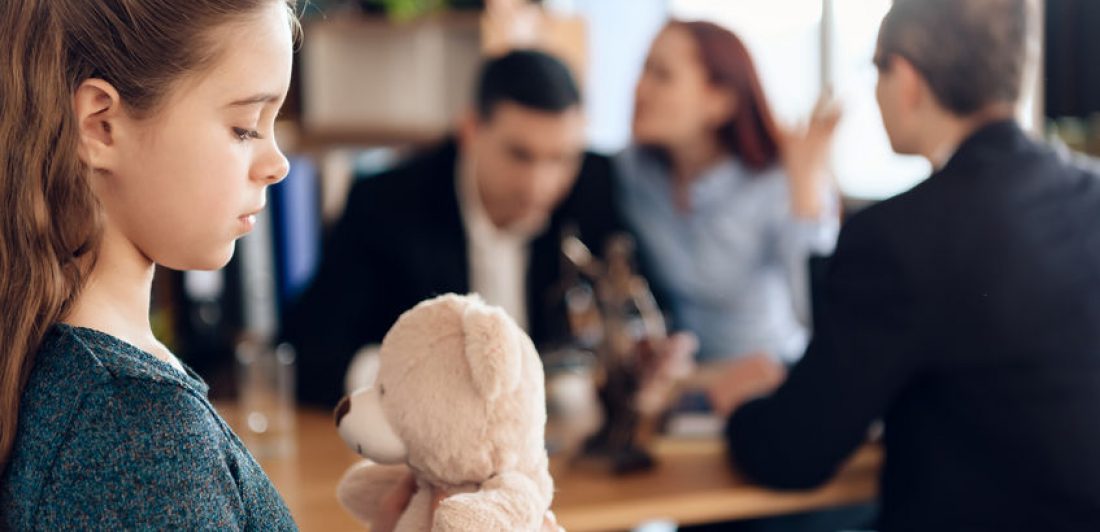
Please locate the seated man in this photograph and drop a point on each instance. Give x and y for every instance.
(964, 313)
(483, 213)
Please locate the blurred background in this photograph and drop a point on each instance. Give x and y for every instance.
(377, 79)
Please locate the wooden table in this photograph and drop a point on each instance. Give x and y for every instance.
(693, 484)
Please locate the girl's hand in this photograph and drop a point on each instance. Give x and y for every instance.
(394, 505)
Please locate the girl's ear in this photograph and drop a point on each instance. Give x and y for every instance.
(98, 110)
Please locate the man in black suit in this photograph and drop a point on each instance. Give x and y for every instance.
(483, 213)
(964, 313)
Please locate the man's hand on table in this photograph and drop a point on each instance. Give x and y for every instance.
(665, 362)
(744, 379)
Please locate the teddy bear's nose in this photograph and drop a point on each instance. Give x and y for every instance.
(342, 409)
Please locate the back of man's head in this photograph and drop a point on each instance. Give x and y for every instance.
(532, 79)
(972, 53)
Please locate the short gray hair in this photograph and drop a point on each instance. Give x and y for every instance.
(972, 53)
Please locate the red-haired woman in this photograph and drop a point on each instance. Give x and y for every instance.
(728, 209)
(726, 206)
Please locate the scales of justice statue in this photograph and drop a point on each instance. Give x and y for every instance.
(613, 314)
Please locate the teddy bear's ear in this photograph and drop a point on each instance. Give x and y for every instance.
(493, 349)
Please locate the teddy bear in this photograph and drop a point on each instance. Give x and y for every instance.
(459, 401)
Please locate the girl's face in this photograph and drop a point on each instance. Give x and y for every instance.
(184, 184)
(674, 101)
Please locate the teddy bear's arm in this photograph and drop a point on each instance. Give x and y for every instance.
(506, 503)
(365, 485)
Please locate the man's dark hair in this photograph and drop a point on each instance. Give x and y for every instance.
(972, 53)
(531, 79)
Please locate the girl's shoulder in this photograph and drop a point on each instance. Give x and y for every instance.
(82, 374)
(97, 357)
(98, 414)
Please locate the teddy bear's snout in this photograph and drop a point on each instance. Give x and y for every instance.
(362, 424)
(342, 409)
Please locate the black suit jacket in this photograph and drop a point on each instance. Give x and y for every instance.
(966, 314)
(401, 240)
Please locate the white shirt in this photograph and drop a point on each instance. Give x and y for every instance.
(498, 258)
(498, 261)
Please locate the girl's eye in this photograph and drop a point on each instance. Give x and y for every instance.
(243, 134)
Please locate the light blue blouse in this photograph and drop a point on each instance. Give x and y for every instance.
(735, 268)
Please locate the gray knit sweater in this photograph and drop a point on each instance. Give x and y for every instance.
(112, 438)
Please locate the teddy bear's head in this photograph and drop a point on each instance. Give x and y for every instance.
(459, 396)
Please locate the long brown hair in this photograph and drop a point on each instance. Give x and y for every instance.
(751, 133)
(50, 221)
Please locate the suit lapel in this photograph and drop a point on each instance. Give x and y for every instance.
(443, 247)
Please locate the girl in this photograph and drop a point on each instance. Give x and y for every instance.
(132, 133)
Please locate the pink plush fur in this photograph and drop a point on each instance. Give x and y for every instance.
(365, 485)
(462, 388)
